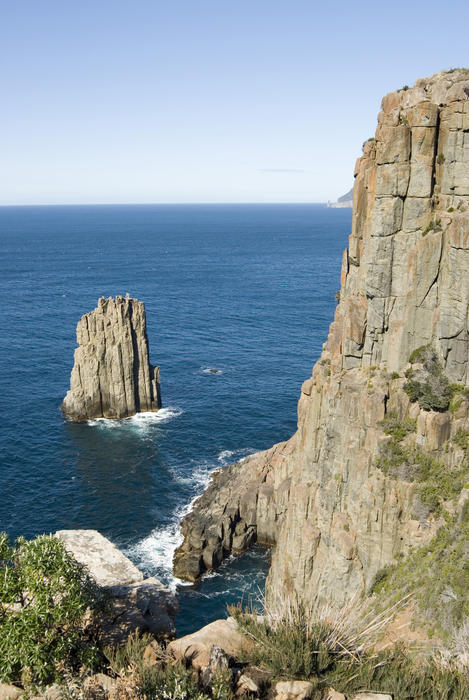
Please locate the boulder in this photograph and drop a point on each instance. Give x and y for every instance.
(144, 606)
(369, 696)
(246, 684)
(293, 690)
(196, 648)
(332, 694)
(100, 682)
(9, 692)
(364, 695)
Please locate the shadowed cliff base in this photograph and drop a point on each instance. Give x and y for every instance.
(351, 493)
(112, 376)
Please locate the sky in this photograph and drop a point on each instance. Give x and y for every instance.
(181, 101)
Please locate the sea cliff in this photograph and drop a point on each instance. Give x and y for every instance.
(335, 503)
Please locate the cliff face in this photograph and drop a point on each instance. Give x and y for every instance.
(112, 376)
(334, 516)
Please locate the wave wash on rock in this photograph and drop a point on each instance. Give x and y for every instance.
(335, 517)
(112, 376)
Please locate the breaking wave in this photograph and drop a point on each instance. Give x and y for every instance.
(140, 421)
(154, 553)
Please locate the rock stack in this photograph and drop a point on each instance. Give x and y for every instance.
(336, 519)
(112, 376)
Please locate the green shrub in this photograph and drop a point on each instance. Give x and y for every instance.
(318, 652)
(461, 439)
(435, 481)
(429, 386)
(403, 673)
(419, 354)
(381, 576)
(440, 159)
(397, 427)
(437, 575)
(432, 226)
(47, 609)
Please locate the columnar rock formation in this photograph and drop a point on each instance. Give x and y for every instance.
(112, 376)
(335, 518)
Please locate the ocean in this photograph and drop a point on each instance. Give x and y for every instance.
(248, 290)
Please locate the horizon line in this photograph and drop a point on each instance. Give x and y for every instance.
(149, 204)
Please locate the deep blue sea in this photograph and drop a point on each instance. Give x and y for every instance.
(246, 289)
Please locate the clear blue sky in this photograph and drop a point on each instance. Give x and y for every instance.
(203, 100)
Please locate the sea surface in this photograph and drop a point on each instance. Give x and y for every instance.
(244, 289)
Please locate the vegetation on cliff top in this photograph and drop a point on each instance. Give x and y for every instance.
(165, 680)
(47, 608)
(336, 649)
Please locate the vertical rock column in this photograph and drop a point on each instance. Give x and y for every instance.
(112, 376)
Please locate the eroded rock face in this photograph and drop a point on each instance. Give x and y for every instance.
(334, 517)
(112, 376)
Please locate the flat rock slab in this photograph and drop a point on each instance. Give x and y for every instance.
(9, 692)
(137, 604)
(196, 647)
(332, 694)
(293, 690)
(369, 696)
(106, 564)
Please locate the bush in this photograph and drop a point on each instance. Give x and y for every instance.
(437, 575)
(47, 609)
(295, 641)
(436, 482)
(397, 427)
(331, 648)
(429, 386)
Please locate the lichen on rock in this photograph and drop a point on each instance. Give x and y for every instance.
(112, 376)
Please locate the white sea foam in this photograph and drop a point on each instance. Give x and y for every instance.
(140, 421)
(155, 552)
(230, 456)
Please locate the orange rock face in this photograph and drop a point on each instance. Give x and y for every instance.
(334, 517)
